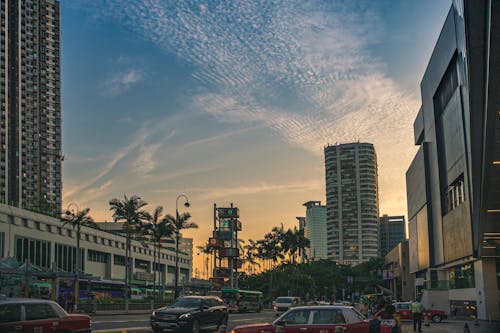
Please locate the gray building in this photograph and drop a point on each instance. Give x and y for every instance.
(453, 183)
(351, 202)
(391, 232)
(30, 91)
(316, 230)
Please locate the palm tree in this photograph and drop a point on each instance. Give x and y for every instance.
(130, 212)
(207, 251)
(76, 220)
(179, 222)
(251, 252)
(159, 231)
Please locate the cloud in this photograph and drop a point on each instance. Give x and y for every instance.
(301, 68)
(145, 162)
(120, 82)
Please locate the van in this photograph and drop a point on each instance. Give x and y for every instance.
(285, 303)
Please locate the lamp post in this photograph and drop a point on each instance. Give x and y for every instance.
(77, 264)
(177, 237)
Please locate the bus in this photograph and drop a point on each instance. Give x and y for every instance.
(239, 300)
(93, 288)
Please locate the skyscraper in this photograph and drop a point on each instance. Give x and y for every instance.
(351, 202)
(391, 232)
(316, 230)
(30, 92)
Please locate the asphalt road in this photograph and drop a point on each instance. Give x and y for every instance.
(140, 322)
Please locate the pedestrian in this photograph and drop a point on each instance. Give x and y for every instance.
(454, 311)
(417, 309)
(71, 302)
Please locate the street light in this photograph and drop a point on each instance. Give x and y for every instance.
(77, 264)
(177, 237)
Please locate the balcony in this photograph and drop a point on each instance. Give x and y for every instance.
(437, 285)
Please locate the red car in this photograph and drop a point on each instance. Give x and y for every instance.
(313, 319)
(29, 315)
(404, 311)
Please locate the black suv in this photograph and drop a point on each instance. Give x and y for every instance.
(191, 314)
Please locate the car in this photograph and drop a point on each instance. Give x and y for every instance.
(190, 314)
(313, 319)
(30, 315)
(404, 311)
(284, 303)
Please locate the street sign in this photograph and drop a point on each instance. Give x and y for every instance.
(225, 213)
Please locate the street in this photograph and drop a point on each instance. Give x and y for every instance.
(140, 323)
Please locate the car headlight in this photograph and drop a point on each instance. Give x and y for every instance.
(185, 316)
(154, 314)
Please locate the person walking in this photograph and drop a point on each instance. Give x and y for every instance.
(417, 309)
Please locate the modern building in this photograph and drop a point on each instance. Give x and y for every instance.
(351, 202)
(391, 232)
(43, 241)
(316, 230)
(30, 92)
(401, 281)
(453, 182)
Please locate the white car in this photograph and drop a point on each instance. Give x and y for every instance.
(285, 303)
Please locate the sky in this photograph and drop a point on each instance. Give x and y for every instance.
(234, 101)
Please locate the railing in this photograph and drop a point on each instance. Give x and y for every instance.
(437, 285)
(89, 307)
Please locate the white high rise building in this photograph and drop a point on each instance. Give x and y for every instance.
(351, 202)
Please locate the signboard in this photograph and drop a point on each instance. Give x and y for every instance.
(225, 213)
(229, 252)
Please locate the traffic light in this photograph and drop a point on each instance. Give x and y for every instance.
(228, 213)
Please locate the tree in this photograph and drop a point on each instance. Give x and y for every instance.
(159, 232)
(130, 212)
(179, 223)
(77, 220)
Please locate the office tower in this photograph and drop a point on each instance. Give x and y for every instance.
(316, 230)
(453, 182)
(391, 232)
(30, 91)
(351, 202)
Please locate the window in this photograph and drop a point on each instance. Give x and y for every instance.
(37, 226)
(25, 223)
(328, 317)
(119, 260)
(97, 256)
(10, 313)
(48, 227)
(297, 317)
(59, 230)
(36, 311)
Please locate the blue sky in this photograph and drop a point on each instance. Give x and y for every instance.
(233, 101)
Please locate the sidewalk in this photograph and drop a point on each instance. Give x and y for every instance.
(454, 326)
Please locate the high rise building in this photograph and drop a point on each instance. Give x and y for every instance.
(391, 232)
(453, 182)
(351, 202)
(316, 230)
(30, 92)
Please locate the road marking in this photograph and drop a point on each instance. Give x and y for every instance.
(118, 321)
(122, 330)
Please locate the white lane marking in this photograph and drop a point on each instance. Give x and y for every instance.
(125, 329)
(119, 321)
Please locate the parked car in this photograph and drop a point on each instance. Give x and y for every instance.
(313, 319)
(190, 314)
(404, 311)
(30, 315)
(284, 303)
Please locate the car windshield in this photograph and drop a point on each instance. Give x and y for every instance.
(283, 300)
(187, 303)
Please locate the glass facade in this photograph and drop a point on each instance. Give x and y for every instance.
(36, 251)
(461, 277)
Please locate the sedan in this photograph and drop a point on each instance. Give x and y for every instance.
(313, 319)
(28, 315)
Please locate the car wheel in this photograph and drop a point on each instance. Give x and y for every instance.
(195, 326)
(436, 318)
